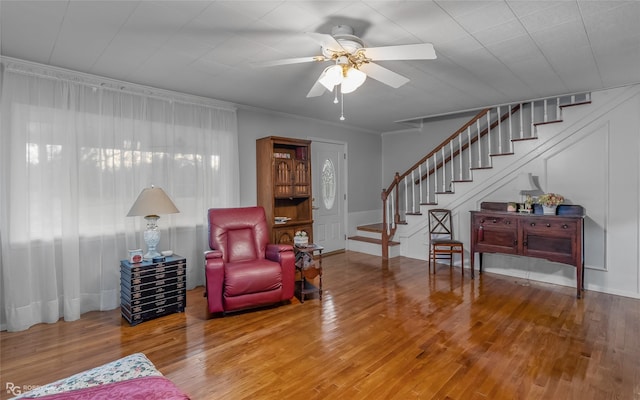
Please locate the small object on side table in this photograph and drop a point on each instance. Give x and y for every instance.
(135, 256)
(308, 269)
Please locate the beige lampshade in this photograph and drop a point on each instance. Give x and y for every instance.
(527, 184)
(152, 201)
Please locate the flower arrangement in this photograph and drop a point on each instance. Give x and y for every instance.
(550, 199)
(300, 238)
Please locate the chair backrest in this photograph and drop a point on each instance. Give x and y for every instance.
(239, 233)
(440, 226)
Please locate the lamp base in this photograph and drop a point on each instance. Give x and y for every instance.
(151, 255)
(152, 237)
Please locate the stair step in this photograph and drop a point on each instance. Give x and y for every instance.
(555, 121)
(524, 138)
(576, 104)
(372, 240)
(462, 180)
(371, 227)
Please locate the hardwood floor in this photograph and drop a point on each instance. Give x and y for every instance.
(380, 332)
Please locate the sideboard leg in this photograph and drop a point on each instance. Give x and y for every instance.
(471, 262)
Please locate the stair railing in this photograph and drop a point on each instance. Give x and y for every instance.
(470, 147)
(434, 162)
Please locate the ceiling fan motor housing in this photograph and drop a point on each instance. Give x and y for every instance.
(344, 35)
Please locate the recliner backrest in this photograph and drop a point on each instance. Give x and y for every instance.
(239, 233)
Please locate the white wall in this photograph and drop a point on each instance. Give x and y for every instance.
(363, 158)
(402, 149)
(592, 159)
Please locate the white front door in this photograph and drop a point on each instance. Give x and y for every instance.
(329, 200)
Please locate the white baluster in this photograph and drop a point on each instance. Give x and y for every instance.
(413, 192)
(392, 219)
(435, 174)
(521, 115)
(558, 109)
(428, 182)
(545, 117)
(444, 171)
(406, 196)
(451, 162)
(532, 119)
(479, 144)
(420, 183)
(460, 156)
(499, 131)
(510, 128)
(489, 149)
(469, 150)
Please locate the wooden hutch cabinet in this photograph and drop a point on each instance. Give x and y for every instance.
(284, 186)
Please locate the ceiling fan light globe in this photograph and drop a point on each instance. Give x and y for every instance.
(331, 77)
(352, 80)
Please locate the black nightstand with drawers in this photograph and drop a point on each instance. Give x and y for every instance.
(152, 289)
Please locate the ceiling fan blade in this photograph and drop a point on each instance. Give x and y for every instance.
(286, 61)
(383, 75)
(422, 51)
(317, 89)
(326, 41)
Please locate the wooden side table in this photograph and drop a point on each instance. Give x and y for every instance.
(309, 268)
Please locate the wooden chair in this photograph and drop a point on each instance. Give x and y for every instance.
(442, 244)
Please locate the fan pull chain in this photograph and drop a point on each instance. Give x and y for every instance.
(335, 99)
(341, 106)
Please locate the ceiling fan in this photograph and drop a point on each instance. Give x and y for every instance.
(353, 62)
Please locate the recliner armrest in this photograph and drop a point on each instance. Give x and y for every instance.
(212, 254)
(214, 280)
(273, 251)
(284, 255)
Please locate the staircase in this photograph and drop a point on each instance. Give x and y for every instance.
(491, 133)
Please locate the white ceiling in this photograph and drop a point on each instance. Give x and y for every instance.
(489, 52)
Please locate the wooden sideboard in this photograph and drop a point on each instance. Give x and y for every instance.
(558, 238)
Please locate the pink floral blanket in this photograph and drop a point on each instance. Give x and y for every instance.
(147, 388)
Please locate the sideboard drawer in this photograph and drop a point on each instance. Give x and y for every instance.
(505, 221)
(554, 226)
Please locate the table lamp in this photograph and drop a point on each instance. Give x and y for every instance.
(151, 203)
(528, 188)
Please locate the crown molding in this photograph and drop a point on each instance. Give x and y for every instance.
(46, 71)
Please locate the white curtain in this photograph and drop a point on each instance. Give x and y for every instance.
(76, 151)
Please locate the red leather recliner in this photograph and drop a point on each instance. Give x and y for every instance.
(242, 269)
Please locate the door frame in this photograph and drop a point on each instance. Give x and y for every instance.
(345, 181)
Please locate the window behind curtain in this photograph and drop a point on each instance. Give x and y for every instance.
(74, 157)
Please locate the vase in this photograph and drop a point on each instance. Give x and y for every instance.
(549, 210)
